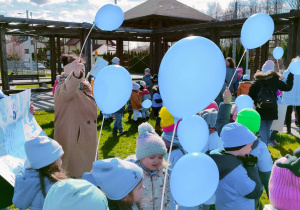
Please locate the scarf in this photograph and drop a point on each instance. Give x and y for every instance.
(84, 86)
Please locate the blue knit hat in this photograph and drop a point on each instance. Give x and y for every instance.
(236, 135)
(41, 151)
(147, 70)
(116, 177)
(246, 77)
(149, 143)
(75, 194)
(115, 60)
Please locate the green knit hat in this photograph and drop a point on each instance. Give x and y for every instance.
(249, 118)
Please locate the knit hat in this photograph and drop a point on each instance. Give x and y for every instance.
(269, 65)
(41, 151)
(284, 185)
(210, 116)
(239, 70)
(135, 86)
(212, 105)
(246, 77)
(74, 194)
(116, 177)
(236, 135)
(149, 143)
(147, 70)
(249, 118)
(166, 118)
(115, 60)
(142, 83)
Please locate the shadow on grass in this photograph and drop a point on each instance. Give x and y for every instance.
(109, 144)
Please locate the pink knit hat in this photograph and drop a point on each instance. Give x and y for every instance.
(240, 70)
(284, 187)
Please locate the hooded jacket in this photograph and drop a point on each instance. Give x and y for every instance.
(28, 191)
(244, 87)
(271, 79)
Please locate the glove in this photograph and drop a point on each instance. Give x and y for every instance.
(248, 160)
(292, 163)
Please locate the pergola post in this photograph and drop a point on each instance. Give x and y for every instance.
(3, 59)
(151, 54)
(58, 54)
(256, 59)
(158, 53)
(264, 53)
(87, 52)
(119, 51)
(291, 52)
(52, 59)
(215, 36)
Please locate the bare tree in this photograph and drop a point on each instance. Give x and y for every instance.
(294, 4)
(214, 10)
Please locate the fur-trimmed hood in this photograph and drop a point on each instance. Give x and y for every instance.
(266, 75)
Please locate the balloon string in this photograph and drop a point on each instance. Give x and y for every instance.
(237, 66)
(278, 65)
(166, 174)
(176, 207)
(85, 41)
(100, 133)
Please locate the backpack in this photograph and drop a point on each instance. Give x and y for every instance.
(266, 98)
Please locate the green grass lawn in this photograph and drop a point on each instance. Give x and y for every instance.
(115, 146)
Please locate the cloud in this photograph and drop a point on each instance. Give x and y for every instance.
(43, 2)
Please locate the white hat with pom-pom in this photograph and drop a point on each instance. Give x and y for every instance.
(149, 143)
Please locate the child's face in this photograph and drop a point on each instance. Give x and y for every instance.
(146, 73)
(153, 162)
(245, 150)
(138, 192)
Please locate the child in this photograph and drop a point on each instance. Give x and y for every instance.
(55, 84)
(129, 109)
(239, 182)
(156, 106)
(145, 96)
(150, 151)
(285, 183)
(120, 180)
(251, 119)
(118, 122)
(136, 101)
(153, 81)
(239, 72)
(244, 85)
(147, 78)
(73, 194)
(44, 156)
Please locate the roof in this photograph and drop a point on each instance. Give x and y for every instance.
(72, 41)
(167, 8)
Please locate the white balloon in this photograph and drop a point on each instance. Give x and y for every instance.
(195, 178)
(112, 88)
(257, 30)
(191, 75)
(147, 104)
(193, 133)
(278, 53)
(244, 101)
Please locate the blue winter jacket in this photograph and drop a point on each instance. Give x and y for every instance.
(28, 191)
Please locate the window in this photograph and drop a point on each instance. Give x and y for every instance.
(26, 51)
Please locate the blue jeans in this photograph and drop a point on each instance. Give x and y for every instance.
(118, 123)
(265, 130)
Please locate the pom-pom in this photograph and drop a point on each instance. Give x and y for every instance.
(145, 127)
(166, 118)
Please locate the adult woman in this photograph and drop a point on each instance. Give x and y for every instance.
(264, 94)
(292, 98)
(75, 118)
(230, 70)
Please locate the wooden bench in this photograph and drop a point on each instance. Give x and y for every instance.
(23, 77)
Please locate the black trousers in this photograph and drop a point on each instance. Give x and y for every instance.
(288, 117)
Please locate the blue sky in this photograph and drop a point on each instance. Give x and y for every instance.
(76, 10)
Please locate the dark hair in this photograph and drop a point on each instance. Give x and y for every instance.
(231, 62)
(53, 172)
(69, 58)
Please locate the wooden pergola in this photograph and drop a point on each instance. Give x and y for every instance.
(155, 21)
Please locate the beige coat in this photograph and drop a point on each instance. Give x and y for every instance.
(75, 126)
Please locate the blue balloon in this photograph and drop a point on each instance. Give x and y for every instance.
(147, 104)
(112, 88)
(257, 30)
(278, 53)
(109, 17)
(294, 67)
(195, 178)
(193, 133)
(243, 101)
(191, 75)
